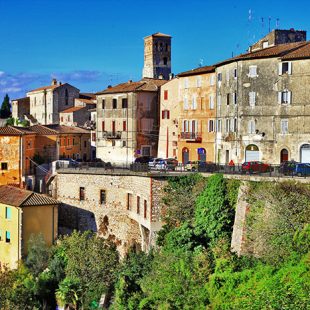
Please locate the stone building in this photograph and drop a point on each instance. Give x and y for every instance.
(20, 108)
(123, 208)
(169, 114)
(23, 213)
(197, 105)
(46, 102)
(157, 56)
(128, 121)
(263, 105)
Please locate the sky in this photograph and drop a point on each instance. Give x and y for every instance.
(93, 43)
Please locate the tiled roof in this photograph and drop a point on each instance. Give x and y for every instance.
(145, 84)
(18, 197)
(87, 96)
(300, 53)
(15, 131)
(274, 51)
(22, 100)
(67, 129)
(52, 87)
(87, 101)
(200, 70)
(72, 109)
(43, 130)
(159, 34)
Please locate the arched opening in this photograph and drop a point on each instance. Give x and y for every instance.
(283, 155)
(251, 153)
(202, 154)
(305, 153)
(185, 155)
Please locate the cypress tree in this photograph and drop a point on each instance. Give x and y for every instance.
(5, 110)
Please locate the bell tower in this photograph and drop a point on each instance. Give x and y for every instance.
(157, 56)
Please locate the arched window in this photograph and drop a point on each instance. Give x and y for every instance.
(284, 155)
(252, 153)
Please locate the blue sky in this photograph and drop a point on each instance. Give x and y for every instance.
(93, 43)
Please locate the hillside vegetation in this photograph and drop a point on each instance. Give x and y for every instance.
(192, 266)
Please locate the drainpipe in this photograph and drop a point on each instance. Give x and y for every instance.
(45, 108)
(21, 157)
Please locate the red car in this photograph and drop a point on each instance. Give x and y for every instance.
(254, 166)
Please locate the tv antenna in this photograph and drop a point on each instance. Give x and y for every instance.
(200, 62)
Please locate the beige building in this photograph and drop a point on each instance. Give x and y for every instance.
(23, 213)
(128, 121)
(21, 108)
(263, 105)
(169, 119)
(46, 102)
(197, 106)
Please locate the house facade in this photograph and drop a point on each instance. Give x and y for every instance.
(197, 105)
(128, 121)
(22, 214)
(20, 108)
(46, 102)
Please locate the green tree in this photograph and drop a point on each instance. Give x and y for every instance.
(5, 110)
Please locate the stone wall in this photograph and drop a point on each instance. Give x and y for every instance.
(112, 219)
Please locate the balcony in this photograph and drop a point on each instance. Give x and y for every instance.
(191, 136)
(112, 134)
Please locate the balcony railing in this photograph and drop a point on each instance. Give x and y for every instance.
(191, 136)
(112, 134)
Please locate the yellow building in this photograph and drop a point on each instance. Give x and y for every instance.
(23, 213)
(197, 100)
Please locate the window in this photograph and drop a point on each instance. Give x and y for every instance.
(165, 114)
(8, 213)
(219, 100)
(145, 209)
(114, 103)
(124, 143)
(252, 71)
(265, 44)
(234, 95)
(113, 142)
(124, 103)
(146, 150)
(284, 97)
(186, 82)
(198, 81)
(85, 143)
(211, 98)
(219, 77)
(211, 125)
(232, 125)
(284, 126)
(113, 127)
(165, 61)
(124, 125)
(235, 73)
(227, 127)
(185, 103)
(227, 76)
(102, 196)
(251, 127)
(103, 104)
(129, 201)
(138, 204)
(82, 193)
(285, 68)
(103, 126)
(165, 94)
(219, 125)
(227, 99)
(7, 237)
(4, 166)
(252, 98)
(194, 103)
(235, 124)
(93, 136)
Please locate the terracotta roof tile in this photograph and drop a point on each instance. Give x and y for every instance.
(15, 131)
(43, 130)
(18, 197)
(87, 101)
(72, 109)
(159, 34)
(200, 70)
(87, 96)
(300, 53)
(24, 100)
(45, 88)
(146, 84)
(61, 129)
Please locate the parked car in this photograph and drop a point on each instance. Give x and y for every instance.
(254, 166)
(191, 166)
(144, 159)
(154, 162)
(171, 163)
(302, 169)
(206, 166)
(287, 167)
(161, 165)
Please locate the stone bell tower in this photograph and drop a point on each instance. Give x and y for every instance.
(157, 56)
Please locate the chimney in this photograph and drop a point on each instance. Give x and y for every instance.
(54, 82)
(171, 76)
(130, 81)
(59, 83)
(160, 77)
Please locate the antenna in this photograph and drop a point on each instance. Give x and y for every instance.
(262, 20)
(200, 62)
(277, 23)
(269, 20)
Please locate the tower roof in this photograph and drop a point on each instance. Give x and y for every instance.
(158, 34)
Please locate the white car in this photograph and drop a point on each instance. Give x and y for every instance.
(154, 162)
